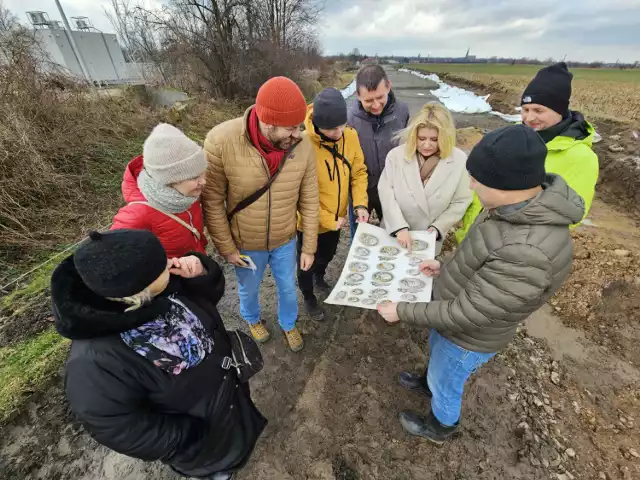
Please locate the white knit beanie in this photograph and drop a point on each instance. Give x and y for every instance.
(171, 157)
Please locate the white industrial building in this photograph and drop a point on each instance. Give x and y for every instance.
(100, 52)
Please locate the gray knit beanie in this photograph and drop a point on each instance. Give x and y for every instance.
(171, 157)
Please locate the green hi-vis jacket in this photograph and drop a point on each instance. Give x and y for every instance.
(570, 156)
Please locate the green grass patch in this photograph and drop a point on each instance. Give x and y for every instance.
(27, 367)
(22, 297)
(599, 74)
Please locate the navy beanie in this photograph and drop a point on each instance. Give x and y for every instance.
(551, 87)
(509, 158)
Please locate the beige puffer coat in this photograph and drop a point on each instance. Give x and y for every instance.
(507, 267)
(236, 170)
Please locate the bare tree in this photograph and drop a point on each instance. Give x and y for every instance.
(289, 22)
(138, 33)
(225, 47)
(8, 20)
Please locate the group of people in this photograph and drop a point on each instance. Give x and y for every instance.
(147, 374)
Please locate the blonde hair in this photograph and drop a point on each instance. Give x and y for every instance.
(136, 301)
(431, 115)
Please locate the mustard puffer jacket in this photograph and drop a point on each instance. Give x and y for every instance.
(236, 170)
(341, 170)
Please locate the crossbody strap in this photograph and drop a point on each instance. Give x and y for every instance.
(245, 202)
(191, 228)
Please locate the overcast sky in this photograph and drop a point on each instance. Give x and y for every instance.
(583, 29)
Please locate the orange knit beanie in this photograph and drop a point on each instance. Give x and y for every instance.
(281, 103)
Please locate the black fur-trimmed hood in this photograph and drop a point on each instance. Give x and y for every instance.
(81, 314)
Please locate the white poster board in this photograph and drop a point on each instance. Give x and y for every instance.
(378, 270)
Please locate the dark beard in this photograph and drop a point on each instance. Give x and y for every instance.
(284, 144)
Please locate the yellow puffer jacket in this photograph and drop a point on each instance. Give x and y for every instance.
(236, 170)
(334, 178)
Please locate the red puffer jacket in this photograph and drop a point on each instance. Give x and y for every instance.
(176, 239)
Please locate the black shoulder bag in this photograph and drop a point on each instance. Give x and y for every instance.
(244, 203)
(245, 355)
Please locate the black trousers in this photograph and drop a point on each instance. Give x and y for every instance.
(374, 202)
(327, 246)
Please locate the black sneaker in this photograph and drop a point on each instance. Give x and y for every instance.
(429, 428)
(415, 383)
(321, 284)
(315, 311)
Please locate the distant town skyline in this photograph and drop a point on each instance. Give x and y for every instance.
(583, 30)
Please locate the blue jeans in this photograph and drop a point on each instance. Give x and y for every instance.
(449, 368)
(283, 266)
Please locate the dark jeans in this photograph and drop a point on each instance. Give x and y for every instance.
(374, 204)
(327, 246)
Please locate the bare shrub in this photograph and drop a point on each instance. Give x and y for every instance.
(224, 48)
(53, 135)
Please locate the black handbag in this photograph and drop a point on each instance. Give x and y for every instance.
(245, 356)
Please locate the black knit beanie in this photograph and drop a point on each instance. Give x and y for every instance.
(329, 109)
(551, 87)
(120, 263)
(509, 158)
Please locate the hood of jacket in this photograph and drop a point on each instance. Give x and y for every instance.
(577, 131)
(81, 314)
(130, 190)
(388, 109)
(557, 204)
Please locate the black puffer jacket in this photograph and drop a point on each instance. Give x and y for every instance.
(200, 422)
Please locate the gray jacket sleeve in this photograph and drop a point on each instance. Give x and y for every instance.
(509, 284)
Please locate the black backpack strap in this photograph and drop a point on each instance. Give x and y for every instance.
(244, 203)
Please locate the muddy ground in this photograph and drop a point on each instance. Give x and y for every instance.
(561, 402)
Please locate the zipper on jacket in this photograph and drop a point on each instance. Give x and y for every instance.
(377, 159)
(264, 165)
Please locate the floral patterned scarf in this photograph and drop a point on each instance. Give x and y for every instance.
(173, 342)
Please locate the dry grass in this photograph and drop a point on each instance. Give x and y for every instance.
(50, 143)
(62, 149)
(606, 99)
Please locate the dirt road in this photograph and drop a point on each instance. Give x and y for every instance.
(558, 403)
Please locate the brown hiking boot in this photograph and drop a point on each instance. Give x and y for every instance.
(294, 338)
(259, 332)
